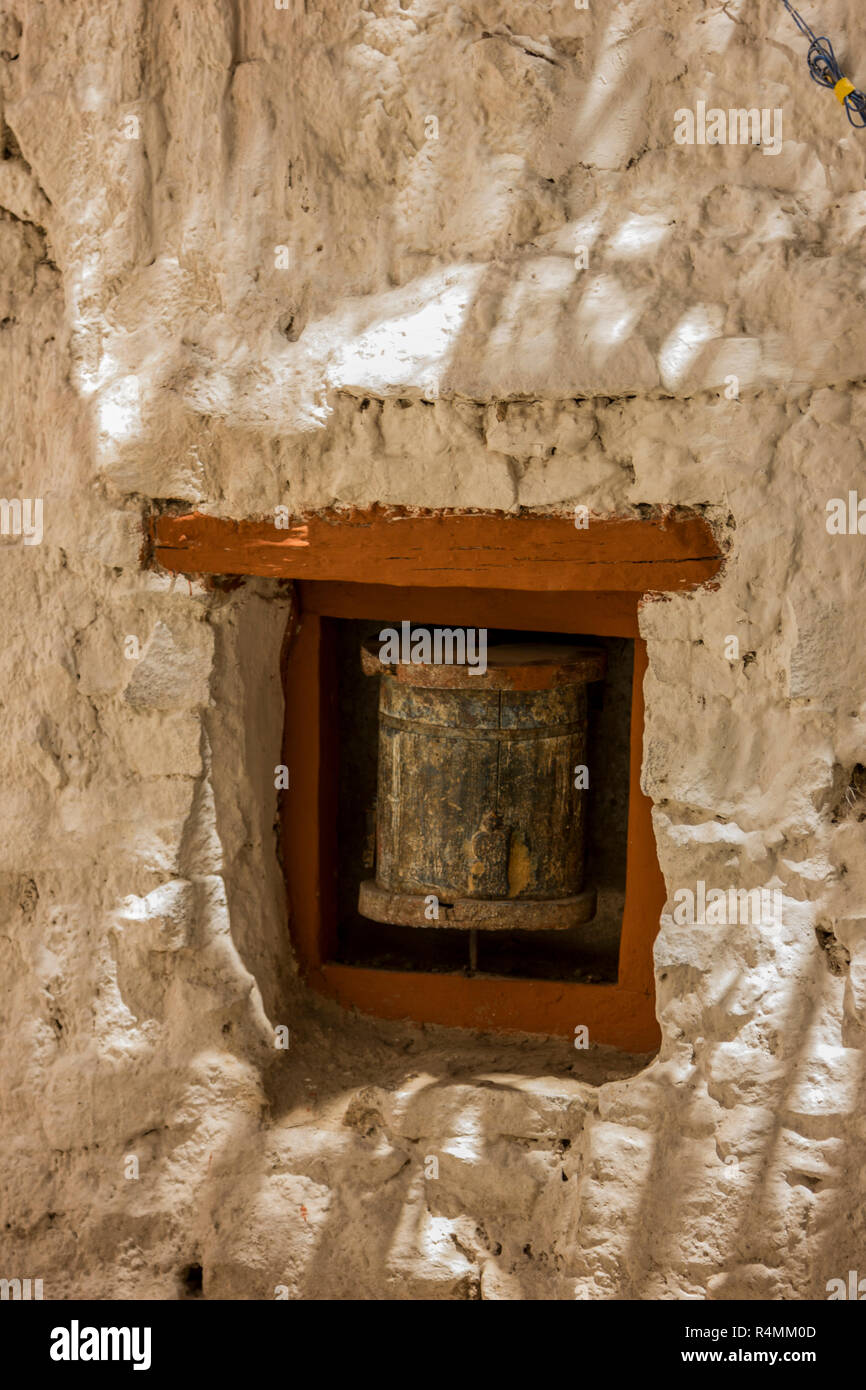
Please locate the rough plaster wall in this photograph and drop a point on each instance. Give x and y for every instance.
(152, 351)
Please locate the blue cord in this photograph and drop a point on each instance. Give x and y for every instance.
(825, 70)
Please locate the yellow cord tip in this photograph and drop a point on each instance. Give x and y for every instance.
(843, 89)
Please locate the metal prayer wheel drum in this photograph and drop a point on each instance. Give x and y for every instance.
(477, 803)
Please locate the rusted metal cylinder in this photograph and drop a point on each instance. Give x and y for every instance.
(477, 805)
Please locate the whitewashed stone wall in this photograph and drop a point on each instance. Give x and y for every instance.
(240, 246)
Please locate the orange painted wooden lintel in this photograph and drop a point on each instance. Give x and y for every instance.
(488, 550)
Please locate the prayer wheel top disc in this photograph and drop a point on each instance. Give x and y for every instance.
(443, 663)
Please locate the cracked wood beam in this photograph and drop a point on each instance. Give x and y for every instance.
(670, 551)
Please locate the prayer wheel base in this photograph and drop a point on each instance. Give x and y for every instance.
(484, 914)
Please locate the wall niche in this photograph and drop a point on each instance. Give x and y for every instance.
(525, 580)
(596, 973)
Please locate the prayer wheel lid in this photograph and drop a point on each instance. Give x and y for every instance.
(523, 666)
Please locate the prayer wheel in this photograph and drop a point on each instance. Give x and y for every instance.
(480, 805)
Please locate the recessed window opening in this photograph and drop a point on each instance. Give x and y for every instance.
(566, 579)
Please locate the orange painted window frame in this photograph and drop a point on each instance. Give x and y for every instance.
(454, 569)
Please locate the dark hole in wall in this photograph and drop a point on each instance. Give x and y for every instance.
(587, 953)
(192, 1281)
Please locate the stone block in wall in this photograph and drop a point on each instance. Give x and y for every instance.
(424, 1259)
(148, 819)
(509, 1106)
(20, 193)
(852, 934)
(157, 743)
(753, 1282)
(645, 1101)
(262, 1244)
(533, 429)
(571, 477)
(814, 665)
(465, 1164)
(824, 1085)
(95, 1101)
(741, 1075)
(162, 920)
(850, 862)
(424, 430)
(173, 669)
